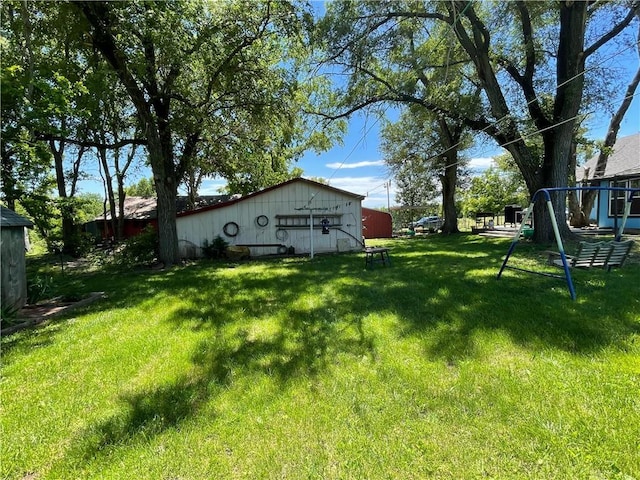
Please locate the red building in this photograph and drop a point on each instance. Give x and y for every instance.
(376, 224)
(140, 212)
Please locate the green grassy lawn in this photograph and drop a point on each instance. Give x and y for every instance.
(294, 368)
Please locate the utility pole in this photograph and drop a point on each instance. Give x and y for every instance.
(388, 185)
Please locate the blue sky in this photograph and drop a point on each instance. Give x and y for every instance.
(357, 166)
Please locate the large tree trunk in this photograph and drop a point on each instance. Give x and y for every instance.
(153, 111)
(449, 181)
(558, 141)
(167, 231)
(554, 174)
(557, 132)
(451, 138)
(164, 174)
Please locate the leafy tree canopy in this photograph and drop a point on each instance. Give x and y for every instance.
(218, 94)
(493, 190)
(144, 188)
(520, 69)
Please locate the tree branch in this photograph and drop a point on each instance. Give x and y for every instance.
(633, 11)
(429, 15)
(527, 37)
(89, 143)
(97, 14)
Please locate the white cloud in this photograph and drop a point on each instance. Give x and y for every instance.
(336, 165)
(212, 186)
(377, 202)
(373, 188)
(481, 163)
(359, 185)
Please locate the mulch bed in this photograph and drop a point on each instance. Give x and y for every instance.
(41, 312)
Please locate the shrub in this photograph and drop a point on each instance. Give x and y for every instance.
(139, 250)
(72, 291)
(39, 288)
(216, 248)
(8, 315)
(82, 244)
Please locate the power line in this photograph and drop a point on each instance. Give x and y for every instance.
(529, 103)
(362, 138)
(522, 137)
(494, 123)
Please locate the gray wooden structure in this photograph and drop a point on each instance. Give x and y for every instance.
(13, 275)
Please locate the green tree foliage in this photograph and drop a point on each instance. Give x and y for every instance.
(492, 191)
(322, 180)
(49, 112)
(144, 188)
(218, 92)
(26, 164)
(412, 149)
(414, 175)
(34, 95)
(503, 51)
(403, 64)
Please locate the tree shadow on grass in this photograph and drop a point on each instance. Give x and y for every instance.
(456, 299)
(305, 344)
(304, 347)
(444, 300)
(142, 416)
(446, 295)
(302, 343)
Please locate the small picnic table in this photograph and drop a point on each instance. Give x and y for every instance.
(376, 255)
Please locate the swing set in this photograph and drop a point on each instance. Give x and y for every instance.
(604, 255)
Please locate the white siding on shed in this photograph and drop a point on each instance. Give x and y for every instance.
(285, 208)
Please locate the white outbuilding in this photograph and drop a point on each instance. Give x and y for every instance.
(297, 216)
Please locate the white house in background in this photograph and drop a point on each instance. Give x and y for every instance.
(278, 220)
(623, 170)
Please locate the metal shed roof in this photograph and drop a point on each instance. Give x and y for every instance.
(12, 219)
(269, 189)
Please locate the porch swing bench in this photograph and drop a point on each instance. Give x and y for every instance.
(604, 255)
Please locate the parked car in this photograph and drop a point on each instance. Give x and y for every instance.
(430, 223)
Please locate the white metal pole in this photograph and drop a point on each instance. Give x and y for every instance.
(311, 231)
(625, 215)
(554, 224)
